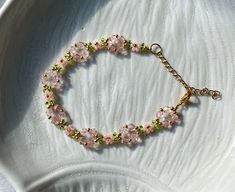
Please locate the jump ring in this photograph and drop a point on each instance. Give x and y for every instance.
(155, 48)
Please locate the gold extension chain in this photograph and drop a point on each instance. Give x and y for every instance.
(216, 95)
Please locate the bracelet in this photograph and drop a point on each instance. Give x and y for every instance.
(128, 134)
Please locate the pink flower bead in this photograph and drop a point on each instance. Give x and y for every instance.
(116, 44)
(56, 114)
(88, 138)
(97, 46)
(79, 52)
(69, 130)
(49, 95)
(108, 139)
(53, 79)
(149, 128)
(129, 134)
(63, 63)
(135, 47)
(167, 117)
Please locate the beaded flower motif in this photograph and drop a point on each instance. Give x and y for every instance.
(116, 44)
(53, 79)
(129, 134)
(167, 117)
(79, 52)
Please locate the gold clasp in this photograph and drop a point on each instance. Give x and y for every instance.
(186, 97)
(183, 100)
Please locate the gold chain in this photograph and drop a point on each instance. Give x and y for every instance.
(156, 49)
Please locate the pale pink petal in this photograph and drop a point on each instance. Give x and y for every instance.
(135, 47)
(53, 79)
(149, 128)
(49, 95)
(88, 138)
(79, 52)
(108, 139)
(69, 130)
(97, 46)
(116, 44)
(56, 114)
(129, 134)
(167, 117)
(63, 63)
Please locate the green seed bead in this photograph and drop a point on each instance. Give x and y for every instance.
(158, 127)
(47, 88)
(128, 44)
(62, 124)
(104, 42)
(69, 58)
(49, 103)
(144, 48)
(154, 121)
(142, 132)
(101, 136)
(101, 142)
(57, 68)
(90, 47)
(117, 139)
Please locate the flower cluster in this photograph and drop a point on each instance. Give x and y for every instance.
(129, 134)
(167, 117)
(79, 52)
(57, 115)
(89, 137)
(116, 44)
(53, 79)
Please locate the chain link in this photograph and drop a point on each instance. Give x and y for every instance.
(157, 50)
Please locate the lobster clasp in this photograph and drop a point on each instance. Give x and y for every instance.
(186, 97)
(183, 100)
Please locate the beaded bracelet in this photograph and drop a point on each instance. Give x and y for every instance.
(128, 134)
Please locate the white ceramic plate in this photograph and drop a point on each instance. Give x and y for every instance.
(198, 39)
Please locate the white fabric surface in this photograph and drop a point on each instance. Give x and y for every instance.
(198, 40)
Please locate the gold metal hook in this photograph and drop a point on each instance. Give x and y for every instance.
(183, 100)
